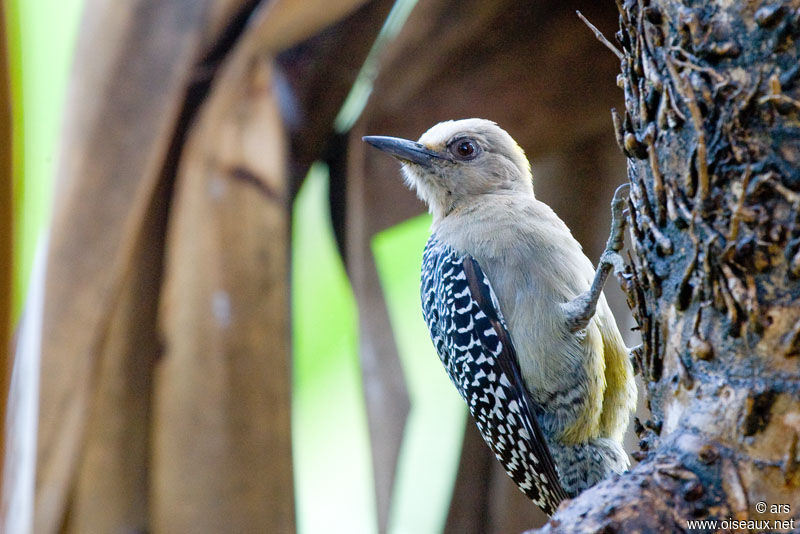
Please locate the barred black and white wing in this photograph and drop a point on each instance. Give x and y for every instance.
(470, 335)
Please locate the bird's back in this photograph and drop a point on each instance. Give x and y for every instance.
(472, 341)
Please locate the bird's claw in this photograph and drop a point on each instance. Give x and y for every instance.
(618, 220)
(613, 258)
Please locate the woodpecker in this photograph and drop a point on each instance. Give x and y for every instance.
(516, 311)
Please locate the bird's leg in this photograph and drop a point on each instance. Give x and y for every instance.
(580, 310)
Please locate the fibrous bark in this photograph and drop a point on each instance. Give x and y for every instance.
(712, 135)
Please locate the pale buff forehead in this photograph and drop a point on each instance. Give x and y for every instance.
(439, 135)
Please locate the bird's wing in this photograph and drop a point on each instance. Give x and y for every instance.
(474, 344)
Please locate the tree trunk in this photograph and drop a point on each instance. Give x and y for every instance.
(712, 136)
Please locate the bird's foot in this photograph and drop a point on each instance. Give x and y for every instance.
(581, 310)
(617, 238)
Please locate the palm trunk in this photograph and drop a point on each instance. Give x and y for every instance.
(712, 136)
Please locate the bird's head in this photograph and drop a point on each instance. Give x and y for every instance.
(456, 161)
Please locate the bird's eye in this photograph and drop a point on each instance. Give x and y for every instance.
(464, 149)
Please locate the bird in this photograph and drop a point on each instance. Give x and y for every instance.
(516, 312)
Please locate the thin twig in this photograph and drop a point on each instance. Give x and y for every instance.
(779, 99)
(658, 179)
(692, 64)
(600, 36)
(674, 104)
(736, 218)
(618, 132)
(684, 88)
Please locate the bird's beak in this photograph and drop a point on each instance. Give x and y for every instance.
(403, 149)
